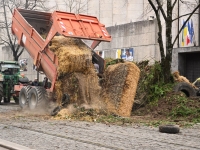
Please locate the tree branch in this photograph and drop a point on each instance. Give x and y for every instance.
(6, 22)
(20, 52)
(161, 9)
(153, 6)
(33, 5)
(174, 4)
(183, 16)
(5, 41)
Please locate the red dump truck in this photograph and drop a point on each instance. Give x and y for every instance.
(28, 26)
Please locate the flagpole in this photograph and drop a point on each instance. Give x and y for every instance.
(199, 27)
(178, 42)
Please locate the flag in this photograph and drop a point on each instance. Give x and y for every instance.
(183, 35)
(189, 30)
(192, 32)
(188, 33)
(185, 30)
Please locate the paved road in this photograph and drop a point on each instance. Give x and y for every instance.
(45, 134)
(2, 148)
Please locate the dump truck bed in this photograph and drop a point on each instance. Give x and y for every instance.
(34, 31)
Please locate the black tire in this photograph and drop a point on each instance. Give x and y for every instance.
(16, 99)
(7, 100)
(172, 129)
(23, 80)
(37, 98)
(23, 96)
(185, 88)
(55, 111)
(1, 92)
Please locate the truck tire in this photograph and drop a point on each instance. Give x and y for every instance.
(16, 99)
(173, 129)
(23, 96)
(185, 88)
(1, 92)
(37, 98)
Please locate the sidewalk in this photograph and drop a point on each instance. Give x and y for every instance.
(6, 145)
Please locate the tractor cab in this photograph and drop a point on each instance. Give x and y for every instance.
(9, 69)
(9, 76)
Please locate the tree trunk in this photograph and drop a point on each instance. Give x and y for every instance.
(166, 65)
(160, 39)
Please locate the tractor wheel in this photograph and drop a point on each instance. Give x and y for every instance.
(7, 100)
(23, 96)
(1, 92)
(185, 88)
(37, 98)
(16, 99)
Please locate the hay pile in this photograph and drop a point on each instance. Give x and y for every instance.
(178, 78)
(82, 88)
(76, 74)
(78, 79)
(119, 87)
(73, 55)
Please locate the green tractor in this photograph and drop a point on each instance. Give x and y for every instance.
(9, 77)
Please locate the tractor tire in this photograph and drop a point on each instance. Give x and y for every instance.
(1, 92)
(24, 80)
(7, 100)
(37, 98)
(185, 88)
(172, 129)
(16, 99)
(23, 96)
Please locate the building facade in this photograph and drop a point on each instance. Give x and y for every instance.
(132, 25)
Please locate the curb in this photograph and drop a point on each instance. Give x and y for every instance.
(12, 146)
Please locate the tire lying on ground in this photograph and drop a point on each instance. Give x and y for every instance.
(185, 88)
(55, 111)
(172, 129)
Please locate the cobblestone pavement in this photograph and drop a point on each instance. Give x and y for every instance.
(46, 134)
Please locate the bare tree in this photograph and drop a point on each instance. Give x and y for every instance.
(77, 6)
(5, 23)
(159, 9)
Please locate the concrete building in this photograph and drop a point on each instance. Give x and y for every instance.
(132, 25)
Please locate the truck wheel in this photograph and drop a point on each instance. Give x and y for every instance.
(173, 129)
(1, 92)
(23, 96)
(185, 88)
(16, 99)
(37, 98)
